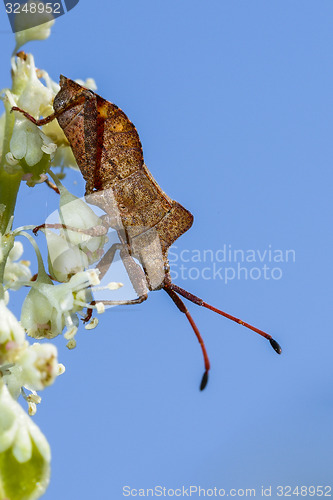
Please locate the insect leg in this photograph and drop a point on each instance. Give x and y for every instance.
(181, 306)
(43, 121)
(51, 185)
(93, 231)
(200, 302)
(107, 259)
(103, 266)
(129, 302)
(134, 271)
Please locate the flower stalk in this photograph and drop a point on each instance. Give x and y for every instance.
(9, 183)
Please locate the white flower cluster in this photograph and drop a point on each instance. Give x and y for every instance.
(27, 153)
(28, 143)
(33, 151)
(49, 308)
(22, 365)
(72, 251)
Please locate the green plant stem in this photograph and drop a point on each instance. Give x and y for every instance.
(9, 183)
(9, 186)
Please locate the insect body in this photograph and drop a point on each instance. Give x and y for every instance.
(109, 154)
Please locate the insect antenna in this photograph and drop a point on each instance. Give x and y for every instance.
(196, 300)
(181, 306)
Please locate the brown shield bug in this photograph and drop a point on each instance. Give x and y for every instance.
(109, 154)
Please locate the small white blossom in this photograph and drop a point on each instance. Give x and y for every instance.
(39, 366)
(64, 259)
(72, 251)
(48, 308)
(12, 336)
(17, 431)
(16, 273)
(6, 243)
(75, 212)
(31, 95)
(31, 366)
(29, 142)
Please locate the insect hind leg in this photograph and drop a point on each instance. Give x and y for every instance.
(103, 266)
(133, 269)
(181, 306)
(196, 300)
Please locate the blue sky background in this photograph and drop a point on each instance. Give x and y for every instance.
(233, 104)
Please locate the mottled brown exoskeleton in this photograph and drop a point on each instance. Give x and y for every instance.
(109, 154)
